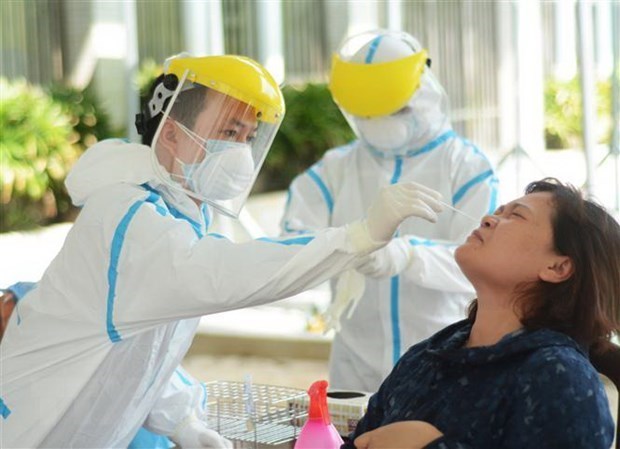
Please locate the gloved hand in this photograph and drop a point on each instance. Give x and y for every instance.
(194, 433)
(388, 261)
(397, 202)
(349, 289)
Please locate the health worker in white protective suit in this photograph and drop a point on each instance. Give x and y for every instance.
(88, 355)
(184, 396)
(382, 82)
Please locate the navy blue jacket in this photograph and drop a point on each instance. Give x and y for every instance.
(533, 389)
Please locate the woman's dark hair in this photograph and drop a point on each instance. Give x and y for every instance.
(586, 306)
(185, 108)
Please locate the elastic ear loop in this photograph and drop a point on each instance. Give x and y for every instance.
(193, 136)
(156, 166)
(198, 140)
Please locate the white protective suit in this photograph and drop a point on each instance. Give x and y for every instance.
(396, 312)
(88, 355)
(183, 398)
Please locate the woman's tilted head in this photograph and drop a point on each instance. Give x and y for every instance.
(557, 255)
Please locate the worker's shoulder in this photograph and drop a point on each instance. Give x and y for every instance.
(463, 149)
(120, 193)
(115, 202)
(341, 152)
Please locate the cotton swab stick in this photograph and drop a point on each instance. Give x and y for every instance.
(460, 212)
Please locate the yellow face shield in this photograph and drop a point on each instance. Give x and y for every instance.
(373, 90)
(238, 77)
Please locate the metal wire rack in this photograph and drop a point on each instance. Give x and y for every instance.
(255, 415)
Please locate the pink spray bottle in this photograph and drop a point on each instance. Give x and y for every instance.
(318, 432)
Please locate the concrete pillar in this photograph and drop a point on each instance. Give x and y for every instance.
(132, 99)
(565, 66)
(507, 97)
(337, 23)
(394, 14)
(603, 43)
(520, 88)
(363, 16)
(203, 27)
(585, 50)
(270, 46)
(530, 77)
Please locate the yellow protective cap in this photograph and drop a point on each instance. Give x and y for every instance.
(372, 90)
(237, 76)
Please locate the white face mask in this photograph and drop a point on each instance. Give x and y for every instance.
(226, 171)
(389, 134)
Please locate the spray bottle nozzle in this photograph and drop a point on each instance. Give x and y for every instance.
(318, 402)
(318, 431)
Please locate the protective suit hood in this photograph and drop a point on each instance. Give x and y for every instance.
(107, 163)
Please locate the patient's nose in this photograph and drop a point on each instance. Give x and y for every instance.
(488, 221)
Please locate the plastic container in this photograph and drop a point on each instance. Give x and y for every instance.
(318, 431)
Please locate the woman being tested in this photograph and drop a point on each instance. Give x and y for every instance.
(87, 355)
(515, 374)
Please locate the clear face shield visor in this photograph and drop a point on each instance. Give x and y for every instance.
(211, 145)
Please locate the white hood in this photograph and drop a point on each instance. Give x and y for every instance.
(107, 163)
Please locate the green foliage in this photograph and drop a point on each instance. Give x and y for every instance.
(34, 149)
(563, 113)
(148, 71)
(41, 136)
(89, 122)
(312, 124)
